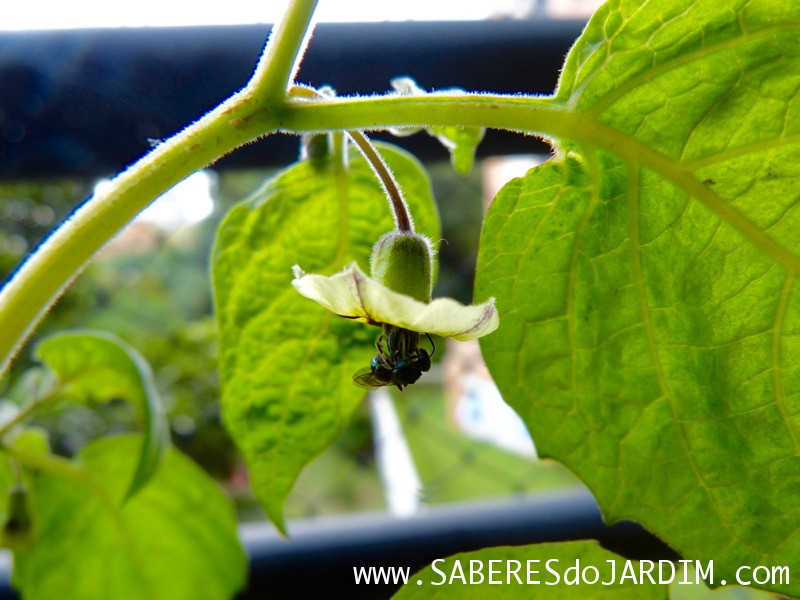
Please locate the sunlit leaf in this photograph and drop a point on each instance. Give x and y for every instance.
(646, 277)
(462, 142)
(287, 363)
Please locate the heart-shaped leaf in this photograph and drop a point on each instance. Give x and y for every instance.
(646, 277)
(287, 363)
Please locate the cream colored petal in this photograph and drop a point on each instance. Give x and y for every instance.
(353, 295)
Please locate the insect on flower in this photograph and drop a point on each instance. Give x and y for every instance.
(401, 363)
(403, 317)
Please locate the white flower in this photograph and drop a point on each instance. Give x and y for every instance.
(353, 295)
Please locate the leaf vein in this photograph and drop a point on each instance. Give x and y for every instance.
(703, 51)
(641, 293)
(780, 314)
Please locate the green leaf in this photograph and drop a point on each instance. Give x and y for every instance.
(466, 575)
(462, 142)
(15, 522)
(646, 277)
(98, 367)
(176, 539)
(286, 363)
(680, 591)
(29, 439)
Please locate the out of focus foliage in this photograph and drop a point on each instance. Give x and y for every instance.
(150, 287)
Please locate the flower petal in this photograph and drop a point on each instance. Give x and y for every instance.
(353, 295)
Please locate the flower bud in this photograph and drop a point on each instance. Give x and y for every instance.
(403, 262)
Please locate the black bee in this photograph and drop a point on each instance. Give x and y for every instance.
(399, 361)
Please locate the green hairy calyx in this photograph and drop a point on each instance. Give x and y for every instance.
(403, 262)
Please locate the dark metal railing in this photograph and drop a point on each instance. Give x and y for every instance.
(86, 103)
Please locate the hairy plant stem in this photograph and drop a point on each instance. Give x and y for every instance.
(397, 203)
(402, 217)
(44, 276)
(281, 58)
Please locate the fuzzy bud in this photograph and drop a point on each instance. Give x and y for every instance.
(403, 262)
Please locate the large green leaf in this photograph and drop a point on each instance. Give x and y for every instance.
(537, 571)
(176, 539)
(96, 366)
(678, 590)
(286, 363)
(646, 277)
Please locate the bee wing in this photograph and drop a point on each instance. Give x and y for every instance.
(365, 378)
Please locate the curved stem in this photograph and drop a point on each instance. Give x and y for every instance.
(402, 218)
(51, 268)
(397, 203)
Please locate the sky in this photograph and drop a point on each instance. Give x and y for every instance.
(57, 14)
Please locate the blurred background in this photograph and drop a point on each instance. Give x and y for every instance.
(80, 99)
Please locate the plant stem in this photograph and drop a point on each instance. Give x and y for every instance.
(281, 58)
(45, 275)
(52, 267)
(402, 218)
(397, 203)
(524, 114)
(53, 464)
(540, 116)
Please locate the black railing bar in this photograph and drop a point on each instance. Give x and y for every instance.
(86, 103)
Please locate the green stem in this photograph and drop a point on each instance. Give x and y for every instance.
(541, 116)
(402, 218)
(397, 203)
(57, 465)
(524, 114)
(40, 281)
(45, 275)
(281, 58)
